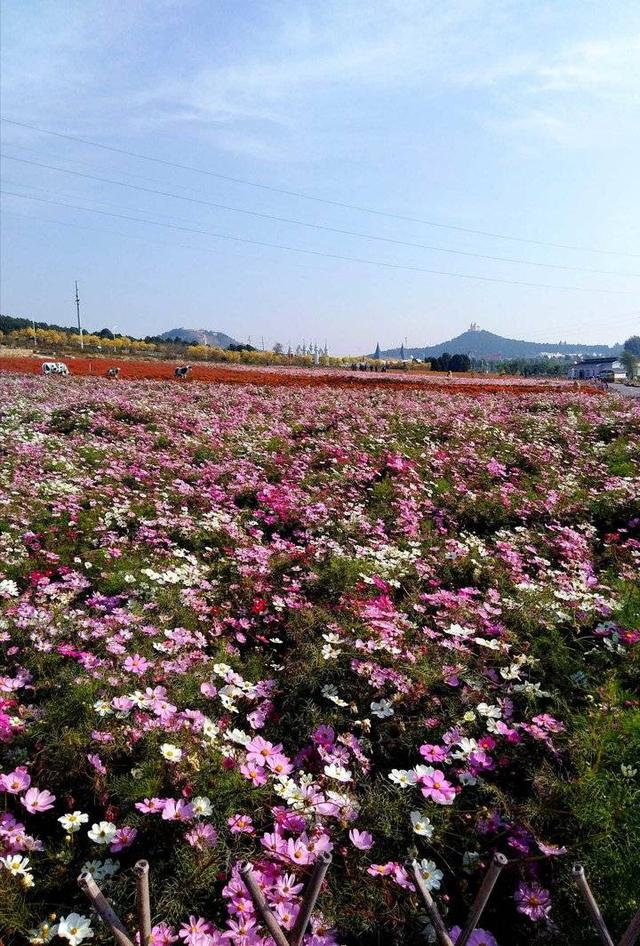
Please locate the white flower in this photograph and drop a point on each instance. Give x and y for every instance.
(430, 874)
(402, 778)
(421, 771)
(490, 710)
(102, 833)
(16, 864)
(42, 934)
(201, 806)
(329, 652)
(421, 824)
(8, 588)
(75, 928)
(331, 693)
(457, 631)
(490, 644)
(237, 735)
(530, 689)
(170, 752)
(330, 638)
(102, 708)
(209, 729)
(467, 746)
(72, 822)
(382, 709)
(629, 771)
(99, 870)
(338, 772)
(227, 702)
(221, 669)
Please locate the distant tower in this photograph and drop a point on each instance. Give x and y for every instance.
(377, 352)
(402, 351)
(474, 327)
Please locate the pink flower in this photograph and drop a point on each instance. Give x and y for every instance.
(533, 900)
(259, 750)
(137, 664)
(381, 870)
(286, 887)
(279, 764)
(162, 935)
(123, 838)
(151, 806)
(437, 788)
(15, 781)
(196, 927)
(97, 763)
(254, 772)
(35, 800)
(298, 852)
(433, 753)
(240, 824)
(361, 839)
(286, 914)
(202, 836)
(176, 810)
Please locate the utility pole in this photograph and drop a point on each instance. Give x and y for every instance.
(79, 322)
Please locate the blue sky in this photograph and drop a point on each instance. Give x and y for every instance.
(516, 118)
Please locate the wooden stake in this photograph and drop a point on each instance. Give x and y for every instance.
(143, 902)
(310, 897)
(632, 934)
(434, 914)
(498, 862)
(104, 909)
(262, 908)
(592, 905)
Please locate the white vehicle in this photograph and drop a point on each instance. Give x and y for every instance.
(54, 367)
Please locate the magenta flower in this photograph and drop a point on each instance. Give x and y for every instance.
(123, 838)
(433, 753)
(361, 839)
(35, 800)
(533, 900)
(437, 788)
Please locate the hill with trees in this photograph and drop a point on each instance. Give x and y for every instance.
(479, 344)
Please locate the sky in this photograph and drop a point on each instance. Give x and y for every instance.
(439, 135)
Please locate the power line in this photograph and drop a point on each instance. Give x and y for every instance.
(618, 320)
(315, 226)
(335, 256)
(322, 200)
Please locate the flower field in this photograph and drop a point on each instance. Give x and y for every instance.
(266, 622)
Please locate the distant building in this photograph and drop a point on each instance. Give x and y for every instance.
(606, 369)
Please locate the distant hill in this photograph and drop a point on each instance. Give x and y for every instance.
(479, 344)
(199, 336)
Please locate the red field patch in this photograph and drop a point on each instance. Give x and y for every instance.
(290, 377)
